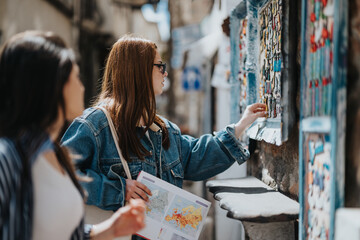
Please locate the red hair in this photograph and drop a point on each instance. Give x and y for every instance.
(127, 90)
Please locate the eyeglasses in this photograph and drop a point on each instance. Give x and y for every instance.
(161, 66)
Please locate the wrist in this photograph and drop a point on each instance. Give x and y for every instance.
(239, 128)
(93, 233)
(102, 231)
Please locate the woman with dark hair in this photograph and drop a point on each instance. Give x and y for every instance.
(40, 197)
(134, 75)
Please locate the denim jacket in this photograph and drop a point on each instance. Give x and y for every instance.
(189, 158)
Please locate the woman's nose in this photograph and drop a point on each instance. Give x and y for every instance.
(165, 73)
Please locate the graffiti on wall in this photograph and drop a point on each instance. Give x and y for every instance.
(269, 86)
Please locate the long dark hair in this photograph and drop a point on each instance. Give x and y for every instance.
(127, 90)
(34, 67)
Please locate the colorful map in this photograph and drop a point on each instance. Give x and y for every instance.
(158, 202)
(171, 212)
(185, 215)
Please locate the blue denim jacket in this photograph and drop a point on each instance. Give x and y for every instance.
(188, 158)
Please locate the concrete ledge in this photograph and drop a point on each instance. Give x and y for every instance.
(249, 199)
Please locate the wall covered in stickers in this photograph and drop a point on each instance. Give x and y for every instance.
(324, 97)
(262, 66)
(322, 116)
(269, 84)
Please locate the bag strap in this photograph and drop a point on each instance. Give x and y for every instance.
(116, 139)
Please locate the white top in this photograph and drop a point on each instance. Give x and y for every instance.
(58, 205)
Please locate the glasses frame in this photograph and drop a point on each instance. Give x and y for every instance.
(161, 66)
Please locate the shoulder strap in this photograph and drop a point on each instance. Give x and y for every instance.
(116, 139)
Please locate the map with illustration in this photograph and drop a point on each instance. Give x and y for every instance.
(158, 202)
(171, 212)
(184, 215)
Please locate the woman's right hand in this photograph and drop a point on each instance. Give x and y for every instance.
(135, 189)
(125, 221)
(252, 112)
(129, 219)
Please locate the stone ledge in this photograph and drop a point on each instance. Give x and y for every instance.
(249, 199)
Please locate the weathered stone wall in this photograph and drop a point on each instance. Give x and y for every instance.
(277, 166)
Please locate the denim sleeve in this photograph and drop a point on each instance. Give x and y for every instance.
(80, 138)
(210, 155)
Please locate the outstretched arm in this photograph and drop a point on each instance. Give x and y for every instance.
(252, 112)
(125, 221)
